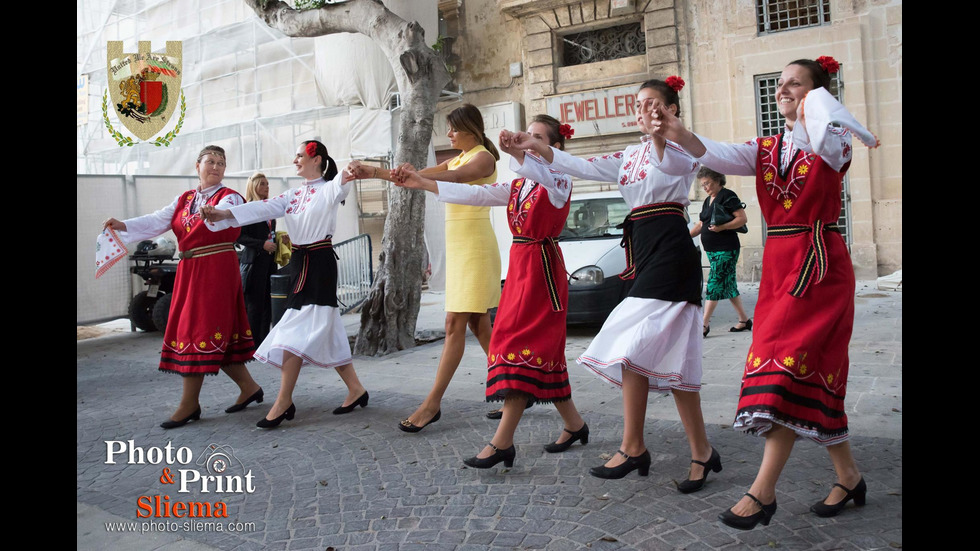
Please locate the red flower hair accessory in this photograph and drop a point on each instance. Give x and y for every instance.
(566, 130)
(311, 149)
(829, 64)
(676, 83)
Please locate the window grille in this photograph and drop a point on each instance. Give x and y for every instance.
(771, 123)
(603, 44)
(783, 15)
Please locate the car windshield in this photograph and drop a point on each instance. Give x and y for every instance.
(591, 218)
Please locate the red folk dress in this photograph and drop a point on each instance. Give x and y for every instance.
(796, 369)
(208, 326)
(527, 346)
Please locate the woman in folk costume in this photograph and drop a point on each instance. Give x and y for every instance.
(207, 328)
(652, 340)
(796, 372)
(527, 347)
(311, 330)
(472, 257)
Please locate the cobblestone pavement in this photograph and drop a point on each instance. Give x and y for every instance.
(356, 482)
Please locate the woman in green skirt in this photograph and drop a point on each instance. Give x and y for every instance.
(720, 243)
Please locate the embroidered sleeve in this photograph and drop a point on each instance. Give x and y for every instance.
(149, 225)
(603, 168)
(819, 136)
(338, 190)
(489, 195)
(731, 159)
(676, 161)
(558, 185)
(260, 211)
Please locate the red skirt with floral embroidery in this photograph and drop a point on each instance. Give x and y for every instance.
(208, 326)
(796, 370)
(527, 347)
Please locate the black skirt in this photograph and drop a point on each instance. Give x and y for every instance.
(313, 276)
(668, 266)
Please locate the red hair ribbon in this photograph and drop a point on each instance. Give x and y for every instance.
(311, 149)
(566, 130)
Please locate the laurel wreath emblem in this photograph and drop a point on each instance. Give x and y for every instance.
(129, 142)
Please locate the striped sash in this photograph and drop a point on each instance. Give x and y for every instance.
(302, 252)
(815, 261)
(547, 244)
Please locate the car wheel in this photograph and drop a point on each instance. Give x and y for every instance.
(161, 312)
(141, 311)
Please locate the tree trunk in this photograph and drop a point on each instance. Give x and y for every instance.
(391, 310)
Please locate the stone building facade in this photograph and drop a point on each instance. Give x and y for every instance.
(580, 61)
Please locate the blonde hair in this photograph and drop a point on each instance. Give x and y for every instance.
(253, 182)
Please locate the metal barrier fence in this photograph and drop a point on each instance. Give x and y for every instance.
(355, 273)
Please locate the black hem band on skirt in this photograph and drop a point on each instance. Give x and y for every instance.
(501, 395)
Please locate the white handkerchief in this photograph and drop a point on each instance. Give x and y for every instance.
(108, 250)
(820, 109)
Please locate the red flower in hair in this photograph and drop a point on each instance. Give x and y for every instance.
(676, 83)
(829, 64)
(311, 149)
(566, 130)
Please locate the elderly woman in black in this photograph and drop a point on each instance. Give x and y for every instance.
(720, 243)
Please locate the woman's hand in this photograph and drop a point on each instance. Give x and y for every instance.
(211, 214)
(411, 179)
(358, 171)
(269, 246)
(114, 224)
(402, 173)
(665, 125)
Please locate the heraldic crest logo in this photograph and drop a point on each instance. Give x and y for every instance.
(144, 88)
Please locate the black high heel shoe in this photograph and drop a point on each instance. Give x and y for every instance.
(362, 401)
(749, 522)
(171, 424)
(712, 464)
(272, 423)
(581, 434)
(256, 397)
(507, 456)
(409, 427)
(858, 494)
(640, 463)
(746, 326)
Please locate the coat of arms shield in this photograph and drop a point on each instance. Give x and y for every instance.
(144, 86)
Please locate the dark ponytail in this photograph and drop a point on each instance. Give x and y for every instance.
(330, 169)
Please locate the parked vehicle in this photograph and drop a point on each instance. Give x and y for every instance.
(594, 258)
(149, 309)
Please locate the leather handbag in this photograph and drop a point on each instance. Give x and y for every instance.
(720, 215)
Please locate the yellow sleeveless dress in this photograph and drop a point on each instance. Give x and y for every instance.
(472, 256)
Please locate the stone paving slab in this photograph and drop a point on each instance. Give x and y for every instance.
(357, 482)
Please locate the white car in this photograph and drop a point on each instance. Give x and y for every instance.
(593, 255)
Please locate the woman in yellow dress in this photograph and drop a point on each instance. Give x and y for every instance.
(472, 256)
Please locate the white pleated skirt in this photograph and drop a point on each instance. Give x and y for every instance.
(658, 339)
(314, 333)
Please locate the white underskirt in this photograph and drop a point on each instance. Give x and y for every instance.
(314, 333)
(658, 339)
